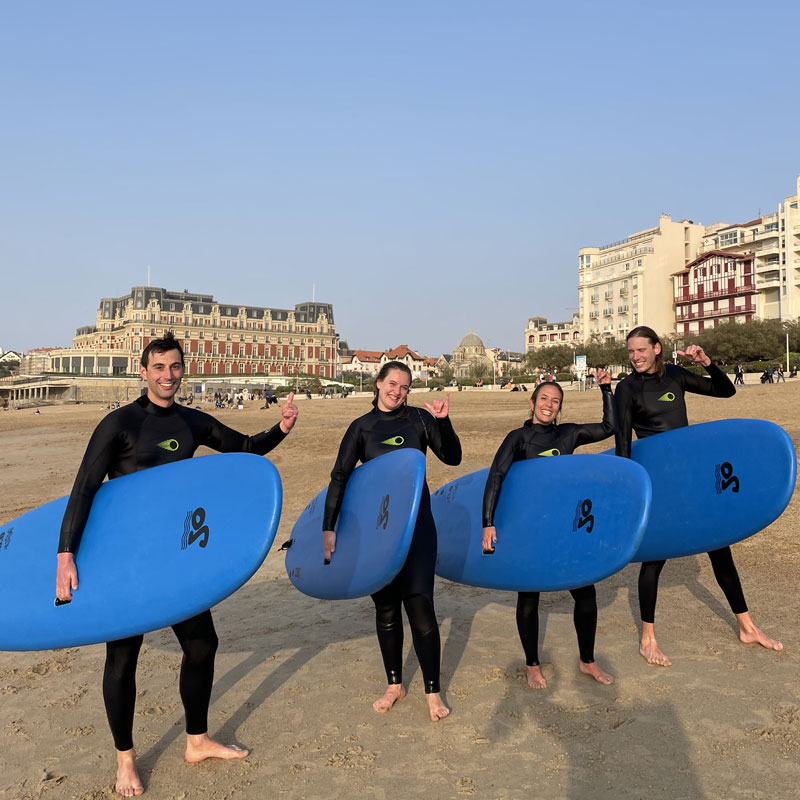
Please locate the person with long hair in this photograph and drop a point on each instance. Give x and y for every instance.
(540, 436)
(393, 424)
(649, 401)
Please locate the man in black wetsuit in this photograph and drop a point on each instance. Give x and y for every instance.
(151, 431)
(650, 401)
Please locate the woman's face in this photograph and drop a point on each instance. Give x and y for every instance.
(393, 390)
(642, 353)
(546, 406)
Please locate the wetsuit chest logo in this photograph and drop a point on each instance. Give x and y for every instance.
(194, 528)
(667, 397)
(171, 445)
(554, 452)
(394, 441)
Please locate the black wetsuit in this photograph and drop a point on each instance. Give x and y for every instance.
(648, 405)
(135, 437)
(372, 435)
(535, 441)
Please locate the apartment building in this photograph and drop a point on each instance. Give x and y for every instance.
(218, 339)
(629, 282)
(717, 286)
(774, 241)
(541, 333)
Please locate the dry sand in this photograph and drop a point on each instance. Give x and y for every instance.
(296, 676)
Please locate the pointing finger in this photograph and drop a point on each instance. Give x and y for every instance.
(290, 397)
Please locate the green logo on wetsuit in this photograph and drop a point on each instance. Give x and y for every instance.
(667, 397)
(169, 444)
(395, 441)
(554, 452)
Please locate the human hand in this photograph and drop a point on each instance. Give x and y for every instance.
(329, 544)
(66, 577)
(695, 354)
(489, 539)
(602, 376)
(288, 414)
(439, 408)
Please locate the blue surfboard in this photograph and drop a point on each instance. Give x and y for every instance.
(373, 532)
(159, 546)
(714, 484)
(561, 522)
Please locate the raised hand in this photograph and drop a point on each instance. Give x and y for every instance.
(288, 413)
(601, 375)
(695, 354)
(439, 408)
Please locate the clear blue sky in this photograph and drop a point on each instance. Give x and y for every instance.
(431, 166)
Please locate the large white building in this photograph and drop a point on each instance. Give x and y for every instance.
(629, 282)
(774, 241)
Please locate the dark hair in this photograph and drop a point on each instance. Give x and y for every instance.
(642, 331)
(539, 389)
(384, 371)
(163, 345)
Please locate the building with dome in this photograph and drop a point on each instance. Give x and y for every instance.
(469, 354)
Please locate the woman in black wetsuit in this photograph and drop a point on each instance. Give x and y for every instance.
(649, 401)
(392, 424)
(543, 436)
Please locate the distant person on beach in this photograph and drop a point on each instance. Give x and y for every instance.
(542, 434)
(393, 424)
(651, 401)
(126, 441)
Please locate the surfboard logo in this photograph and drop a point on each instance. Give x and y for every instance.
(395, 441)
(724, 478)
(169, 444)
(193, 528)
(383, 513)
(5, 539)
(554, 452)
(583, 516)
(667, 397)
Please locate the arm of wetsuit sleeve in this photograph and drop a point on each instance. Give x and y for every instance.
(597, 431)
(346, 462)
(501, 464)
(624, 414)
(227, 440)
(443, 439)
(94, 467)
(719, 384)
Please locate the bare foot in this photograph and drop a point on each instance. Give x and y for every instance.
(436, 707)
(651, 653)
(393, 693)
(755, 635)
(127, 782)
(535, 678)
(595, 671)
(200, 747)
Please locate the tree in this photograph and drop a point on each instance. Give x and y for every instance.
(555, 358)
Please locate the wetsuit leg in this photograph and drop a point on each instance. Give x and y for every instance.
(528, 625)
(199, 642)
(119, 688)
(389, 627)
(648, 589)
(585, 618)
(414, 587)
(728, 578)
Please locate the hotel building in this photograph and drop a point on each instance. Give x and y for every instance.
(773, 240)
(629, 282)
(541, 333)
(218, 339)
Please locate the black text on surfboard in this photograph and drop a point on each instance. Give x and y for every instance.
(725, 477)
(194, 529)
(584, 516)
(5, 539)
(383, 513)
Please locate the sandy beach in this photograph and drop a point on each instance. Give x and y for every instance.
(295, 676)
